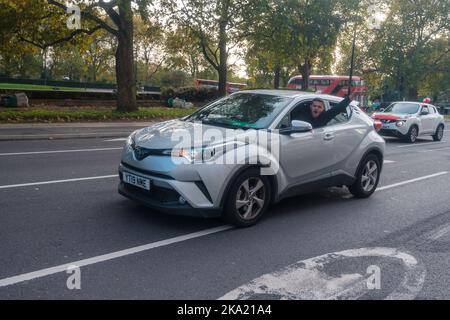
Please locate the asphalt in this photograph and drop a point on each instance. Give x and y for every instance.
(44, 226)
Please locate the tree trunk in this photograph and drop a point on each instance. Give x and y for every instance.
(305, 71)
(413, 94)
(126, 85)
(277, 76)
(223, 59)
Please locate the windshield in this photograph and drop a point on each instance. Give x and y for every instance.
(403, 108)
(244, 110)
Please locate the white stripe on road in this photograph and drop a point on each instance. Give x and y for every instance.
(412, 181)
(56, 181)
(442, 231)
(119, 139)
(420, 144)
(58, 151)
(109, 256)
(429, 150)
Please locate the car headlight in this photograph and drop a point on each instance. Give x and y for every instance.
(202, 154)
(193, 155)
(400, 124)
(130, 140)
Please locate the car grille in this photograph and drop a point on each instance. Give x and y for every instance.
(141, 153)
(157, 194)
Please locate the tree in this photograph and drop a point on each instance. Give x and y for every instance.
(219, 25)
(409, 51)
(115, 17)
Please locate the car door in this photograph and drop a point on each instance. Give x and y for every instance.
(426, 120)
(435, 119)
(347, 134)
(304, 157)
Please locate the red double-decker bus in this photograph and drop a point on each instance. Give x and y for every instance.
(231, 87)
(333, 85)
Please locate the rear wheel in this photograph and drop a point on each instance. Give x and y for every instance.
(412, 134)
(367, 177)
(248, 199)
(439, 133)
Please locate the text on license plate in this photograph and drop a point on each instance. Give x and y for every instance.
(136, 181)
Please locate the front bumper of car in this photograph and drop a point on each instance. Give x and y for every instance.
(395, 128)
(168, 195)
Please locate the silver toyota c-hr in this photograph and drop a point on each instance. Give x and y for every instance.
(236, 156)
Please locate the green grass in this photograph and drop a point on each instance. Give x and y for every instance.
(18, 86)
(86, 115)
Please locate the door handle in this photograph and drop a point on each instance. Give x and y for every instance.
(328, 136)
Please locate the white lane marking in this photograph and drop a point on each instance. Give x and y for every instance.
(429, 150)
(440, 232)
(388, 161)
(421, 144)
(308, 280)
(114, 255)
(412, 181)
(57, 151)
(56, 181)
(114, 140)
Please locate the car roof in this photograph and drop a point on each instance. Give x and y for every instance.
(416, 102)
(290, 93)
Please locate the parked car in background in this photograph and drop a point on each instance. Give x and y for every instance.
(410, 120)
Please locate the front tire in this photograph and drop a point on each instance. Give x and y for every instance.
(439, 133)
(248, 199)
(412, 134)
(367, 177)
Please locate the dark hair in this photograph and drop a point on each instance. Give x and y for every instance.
(319, 100)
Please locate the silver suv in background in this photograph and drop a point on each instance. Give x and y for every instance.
(236, 156)
(410, 120)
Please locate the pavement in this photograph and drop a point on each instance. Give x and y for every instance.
(44, 131)
(59, 207)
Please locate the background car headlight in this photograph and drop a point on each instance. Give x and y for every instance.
(400, 124)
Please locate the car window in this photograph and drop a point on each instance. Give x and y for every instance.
(403, 108)
(431, 110)
(340, 118)
(243, 110)
(295, 114)
(425, 109)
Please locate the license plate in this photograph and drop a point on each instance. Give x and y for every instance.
(136, 181)
(385, 126)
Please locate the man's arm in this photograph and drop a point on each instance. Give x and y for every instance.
(333, 112)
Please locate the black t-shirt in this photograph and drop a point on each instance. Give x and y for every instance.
(325, 116)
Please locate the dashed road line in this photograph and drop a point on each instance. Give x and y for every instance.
(110, 256)
(57, 151)
(56, 181)
(412, 181)
(420, 144)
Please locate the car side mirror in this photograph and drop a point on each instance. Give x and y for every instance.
(424, 113)
(298, 127)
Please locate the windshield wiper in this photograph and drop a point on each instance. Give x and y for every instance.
(226, 125)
